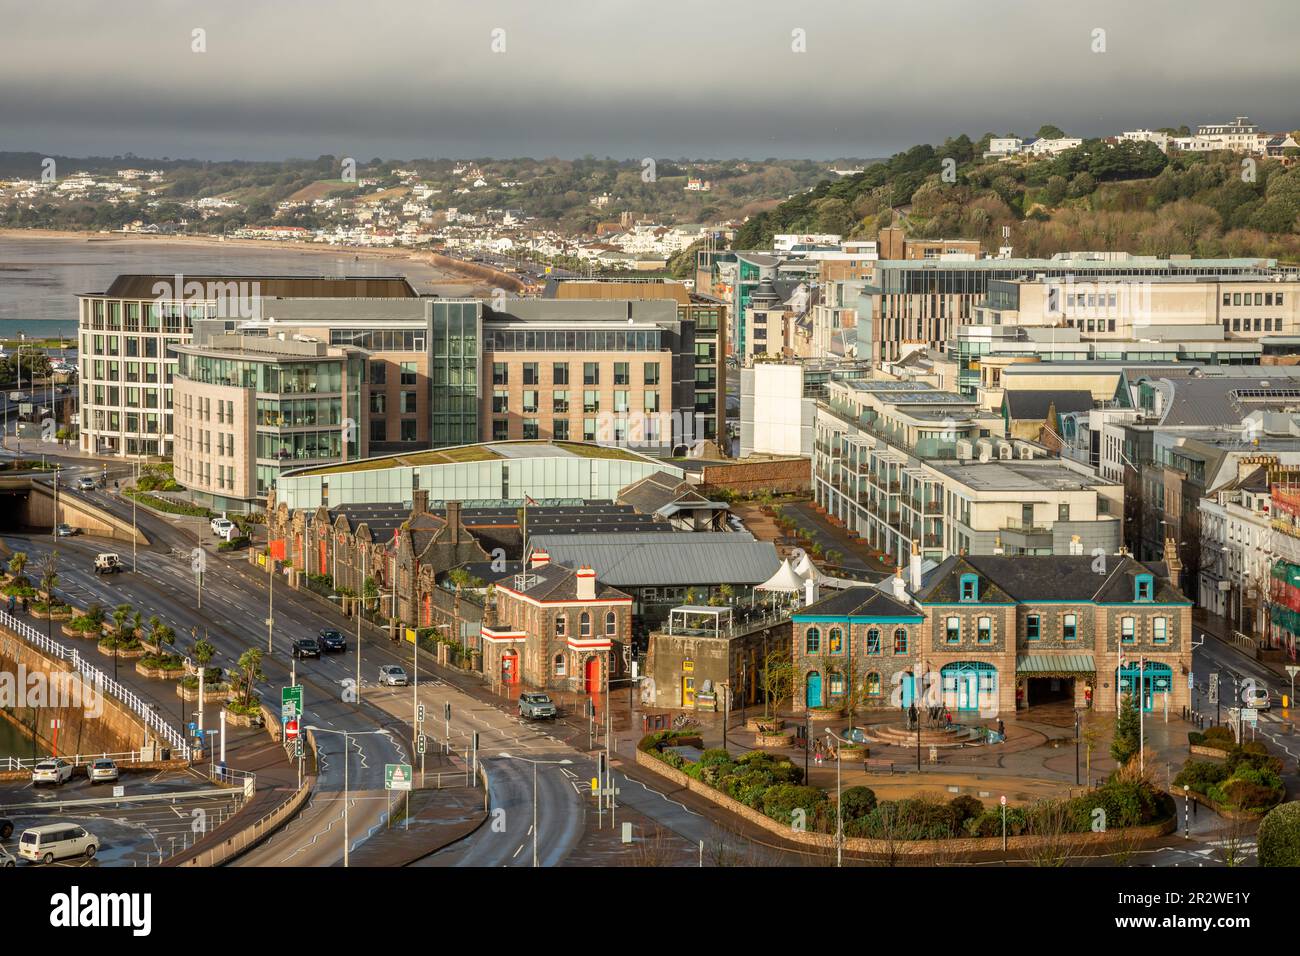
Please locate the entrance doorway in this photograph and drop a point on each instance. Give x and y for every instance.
(1048, 690)
(591, 683)
(688, 691)
(510, 668)
(813, 697)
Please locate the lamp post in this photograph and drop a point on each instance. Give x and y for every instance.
(839, 807)
(1076, 748)
(346, 735)
(558, 763)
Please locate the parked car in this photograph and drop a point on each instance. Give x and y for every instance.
(102, 770)
(6, 829)
(86, 484)
(536, 706)
(392, 675)
(1256, 696)
(306, 647)
(222, 527)
(331, 640)
(55, 771)
(108, 562)
(65, 531)
(6, 859)
(57, 841)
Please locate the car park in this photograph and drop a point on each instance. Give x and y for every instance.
(55, 771)
(536, 707)
(102, 770)
(57, 841)
(392, 675)
(306, 647)
(331, 639)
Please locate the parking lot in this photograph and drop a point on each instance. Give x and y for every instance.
(132, 832)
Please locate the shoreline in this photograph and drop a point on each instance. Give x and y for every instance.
(451, 275)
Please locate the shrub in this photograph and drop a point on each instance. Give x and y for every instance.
(234, 544)
(1279, 836)
(857, 802)
(168, 662)
(1195, 738)
(1200, 775)
(1248, 794)
(781, 801)
(964, 808)
(1219, 733)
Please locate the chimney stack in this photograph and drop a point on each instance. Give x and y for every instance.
(1172, 561)
(453, 520)
(540, 559)
(586, 584)
(900, 586)
(916, 566)
(810, 592)
(420, 501)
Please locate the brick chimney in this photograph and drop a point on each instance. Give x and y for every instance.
(586, 584)
(900, 586)
(453, 521)
(1172, 560)
(915, 566)
(420, 501)
(540, 559)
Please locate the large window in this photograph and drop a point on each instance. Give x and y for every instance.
(1160, 630)
(812, 641)
(1032, 625)
(561, 623)
(560, 373)
(1127, 630)
(952, 630)
(1070, 627)
(590, 373)
(873, 641)
(611, 624)
(900, 641)
(584, 625)
(984, 630)
(835, 641)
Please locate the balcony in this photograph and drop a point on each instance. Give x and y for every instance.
(934, 507)
(1018, 534)
(932, 541)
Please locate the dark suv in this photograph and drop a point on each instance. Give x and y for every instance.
(331, 640)
(306, 647)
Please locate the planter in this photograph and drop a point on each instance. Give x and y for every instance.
(1202, 751)
(159, 673)
(120, 653)
(210, 694)
(58, 614)
(69, 632)
(825, 713)
(244, 720)
(780, 739)
(760, 724)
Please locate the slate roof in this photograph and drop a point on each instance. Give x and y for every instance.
(1033, 404)
(656, 491)
(860, 602)
(666, 559)
(1006, 579)
(556, 582)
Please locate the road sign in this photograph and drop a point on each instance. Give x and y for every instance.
(291, 696)
(119, 791)
(421, 744)
(288, 711)
(1292, 669)
(1190, 681)
(291, 729)
(1250, 715)
(419, 714)
(397, 776)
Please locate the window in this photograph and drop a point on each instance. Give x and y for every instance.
(1143, 587)
(1070, 627)
(559, 665)
(836, 683)
(408, 373)
(1160, 630)
(611, 624)
(621, 374)
(873, 641)
(500, 373)
(589, 429)
(530, 429)
(377, 373)
(590, 373)
(408, 403)
(835, 643)
(1032, 627)
(952, 630)
(530, 401)
(500, 401)
(652, 373)
(1127, 630)
(584, 625)
(970, 587)
(590, 400)
(560, 373)
(620, 400)
(984, 630)
(560, 402)
(561, 624)
(410, 430)
(873, 684)
(900, 641)
(560, 429)
(651, 401)
(530, 373)
(500, 429)
(378, 430)
(812, 642)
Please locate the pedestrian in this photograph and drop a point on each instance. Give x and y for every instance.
(911, 715)
(11, 604)
(1002, 729)
(947, 719)
(24, 604)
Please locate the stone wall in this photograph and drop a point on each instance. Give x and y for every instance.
(782, 476)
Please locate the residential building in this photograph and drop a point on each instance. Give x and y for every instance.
(1237, 548)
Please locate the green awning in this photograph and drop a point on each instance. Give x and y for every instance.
(1055, 664)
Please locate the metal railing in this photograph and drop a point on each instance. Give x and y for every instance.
(102, 682)
(77, 760)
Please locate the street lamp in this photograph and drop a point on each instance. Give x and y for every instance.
(839, 807)
(558, 763)
(345, 734)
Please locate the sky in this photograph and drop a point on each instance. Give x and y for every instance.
(816, 79)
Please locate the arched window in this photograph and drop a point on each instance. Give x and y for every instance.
(900, 641)
(561, 625)
(873, 684)
(835, 642)
(584, 625)
(611, 624)
(559, 665)
(813, 641)
(873, 641)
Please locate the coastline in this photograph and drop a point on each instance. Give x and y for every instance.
(472, 275)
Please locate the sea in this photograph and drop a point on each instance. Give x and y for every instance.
(41, 276)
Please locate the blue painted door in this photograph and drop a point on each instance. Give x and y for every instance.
(814, 698)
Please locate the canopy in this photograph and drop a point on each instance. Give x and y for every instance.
(806, 569)
(785, 579)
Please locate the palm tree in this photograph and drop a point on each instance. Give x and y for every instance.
(49, 575)
(250, 662)
(17, 563)
(120, 615)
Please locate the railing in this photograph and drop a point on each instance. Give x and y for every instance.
(103, 683)
(1014, 524)
(746, 620)
(25, 763)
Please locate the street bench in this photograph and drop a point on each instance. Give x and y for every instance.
(878, 765)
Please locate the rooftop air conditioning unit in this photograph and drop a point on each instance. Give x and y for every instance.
(963, 450)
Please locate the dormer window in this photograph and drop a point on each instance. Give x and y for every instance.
(1144, 588)
(970, 587)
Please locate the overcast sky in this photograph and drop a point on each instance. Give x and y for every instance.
(623, 78)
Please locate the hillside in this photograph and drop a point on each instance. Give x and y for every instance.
(1127, 196)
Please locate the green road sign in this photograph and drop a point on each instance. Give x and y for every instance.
(397, 776)
(291, 696)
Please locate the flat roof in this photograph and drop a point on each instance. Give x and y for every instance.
(484, 451)
(1018, 476)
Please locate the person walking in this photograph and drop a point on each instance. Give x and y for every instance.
(1002, 729)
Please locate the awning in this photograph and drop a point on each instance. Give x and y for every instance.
(1049, 664)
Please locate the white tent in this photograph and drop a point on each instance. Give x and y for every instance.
(806, 569)
(785, 579)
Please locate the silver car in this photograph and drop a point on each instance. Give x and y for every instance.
(392, 675)
(102, 770)
(6, 859)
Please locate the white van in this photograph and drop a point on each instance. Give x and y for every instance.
(56, 841)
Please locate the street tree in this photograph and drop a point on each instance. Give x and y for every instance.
(1125, 744)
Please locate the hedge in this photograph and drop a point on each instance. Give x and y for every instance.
(1279, 836)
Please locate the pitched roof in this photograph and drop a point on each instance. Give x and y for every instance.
(555, 582)
(860, 602)
(1058, 577)
(1033, 404)
(657, 491)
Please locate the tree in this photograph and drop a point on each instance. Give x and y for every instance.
(1055, 190)
(1126, 742)
(120, 615)
(204, 651)
(250, 666)
(1048, 131)
(17, 563)
(1279, 836)
(777, 678)
(49, 575)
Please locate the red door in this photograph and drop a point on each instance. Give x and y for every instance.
(509, 668)
(592, 685)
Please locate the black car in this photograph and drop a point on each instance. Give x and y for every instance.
(6, 829)
(306, 647)
(331, 640)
